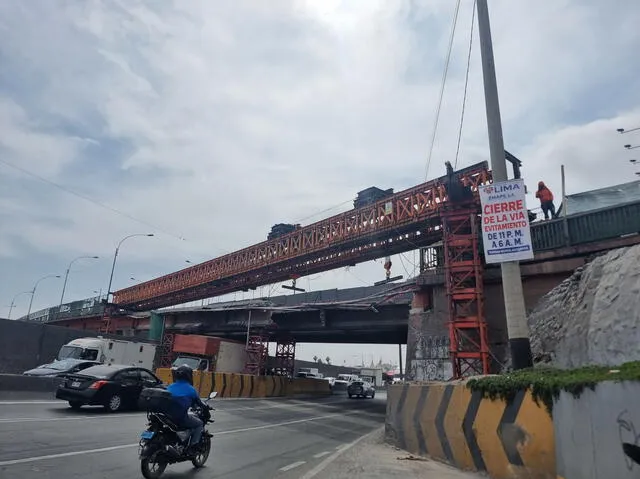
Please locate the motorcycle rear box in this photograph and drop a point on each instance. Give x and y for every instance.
(155, 400)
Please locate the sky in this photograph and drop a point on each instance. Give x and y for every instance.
(206, 122)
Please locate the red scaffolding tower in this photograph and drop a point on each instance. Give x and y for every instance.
(257, 354)
(469, 346)
(165, 351)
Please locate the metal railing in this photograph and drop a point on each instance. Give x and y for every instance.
(573, 230)
(589, 227)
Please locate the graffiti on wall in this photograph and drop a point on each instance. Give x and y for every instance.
(629, 440)
(430, 360)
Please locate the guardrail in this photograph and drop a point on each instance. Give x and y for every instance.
(589, 227)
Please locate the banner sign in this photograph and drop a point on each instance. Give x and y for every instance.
(506, 233)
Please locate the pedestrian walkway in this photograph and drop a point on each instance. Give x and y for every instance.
(372, 458)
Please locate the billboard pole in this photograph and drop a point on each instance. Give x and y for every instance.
(517, 327)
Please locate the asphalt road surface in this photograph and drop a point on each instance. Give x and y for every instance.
(266, 438)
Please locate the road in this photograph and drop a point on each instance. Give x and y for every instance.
(267, 438)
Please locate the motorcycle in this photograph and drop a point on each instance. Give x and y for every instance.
(163, 442)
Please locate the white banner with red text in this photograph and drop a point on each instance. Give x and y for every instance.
(506, 233)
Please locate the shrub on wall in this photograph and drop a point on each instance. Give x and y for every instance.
(546, 383)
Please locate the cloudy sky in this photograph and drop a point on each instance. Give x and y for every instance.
(209, 121)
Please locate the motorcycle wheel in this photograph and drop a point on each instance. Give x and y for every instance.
(152, 469)
(203, 454)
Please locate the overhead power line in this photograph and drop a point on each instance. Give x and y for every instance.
(466, 84)
(89, 199)
(441, 95)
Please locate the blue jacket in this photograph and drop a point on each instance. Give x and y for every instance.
(184, 396)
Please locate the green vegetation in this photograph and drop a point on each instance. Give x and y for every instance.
(546, 383)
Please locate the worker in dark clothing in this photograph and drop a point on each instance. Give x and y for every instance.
(546, 200)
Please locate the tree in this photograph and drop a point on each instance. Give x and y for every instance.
(328, 360)
(315, 359)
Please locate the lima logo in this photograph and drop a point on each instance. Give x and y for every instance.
(502, 188)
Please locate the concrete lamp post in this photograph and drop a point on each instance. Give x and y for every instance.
(66, 276)
(35, 286)
(115, 257)
(13, 301)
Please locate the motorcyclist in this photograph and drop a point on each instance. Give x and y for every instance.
(186, 396)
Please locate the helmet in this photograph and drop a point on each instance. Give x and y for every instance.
(183, 373)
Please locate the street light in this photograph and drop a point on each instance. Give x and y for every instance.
(35, 286)
(115, 256)
(13, 302)
(622, 131)
(629, 147)
(66, 276)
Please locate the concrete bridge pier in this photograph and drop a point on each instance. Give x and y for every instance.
(427, 356)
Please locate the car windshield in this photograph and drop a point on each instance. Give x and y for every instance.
(357, 383)
(63, 365)
(76, 352)
(193, 363)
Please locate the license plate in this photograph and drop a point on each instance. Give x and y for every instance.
(75, 384)
(147, 435)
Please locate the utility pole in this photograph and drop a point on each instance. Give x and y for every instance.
(517, 326)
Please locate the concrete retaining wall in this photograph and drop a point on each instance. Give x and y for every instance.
(25, 345)
(229, 385)
(451, 424)
(592, 431)
(15, 386)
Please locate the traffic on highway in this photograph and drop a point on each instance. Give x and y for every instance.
(274, 437)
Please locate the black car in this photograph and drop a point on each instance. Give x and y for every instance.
(60, 367)
(114, 387)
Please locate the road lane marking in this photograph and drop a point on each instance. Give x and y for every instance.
(64, 454)
(140, 414)
(53, 419)
(292, 466)
(28, 403)
(321, 454)
(24, 460)
(341, 450)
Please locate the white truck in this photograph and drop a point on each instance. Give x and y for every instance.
(309, 373)
(373, 375)
(110, 351)
(209, 353)
(343, 380)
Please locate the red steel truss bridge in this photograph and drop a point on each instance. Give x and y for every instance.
(402, 222)
(442, 209)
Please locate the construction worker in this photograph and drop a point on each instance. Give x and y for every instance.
(546, 200)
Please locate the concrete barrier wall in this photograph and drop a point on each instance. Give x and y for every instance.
(593, 430)
(18, 387)
(451, 424)
(229, 385)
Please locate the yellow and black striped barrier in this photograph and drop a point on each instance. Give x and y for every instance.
(450, 423)
(231, 385)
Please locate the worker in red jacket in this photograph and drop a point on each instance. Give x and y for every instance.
(546, 200)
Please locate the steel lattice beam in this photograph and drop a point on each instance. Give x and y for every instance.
(401, 222)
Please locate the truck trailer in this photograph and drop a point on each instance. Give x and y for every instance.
(110, 351)
(209, 353)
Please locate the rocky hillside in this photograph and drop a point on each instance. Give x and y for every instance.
(593, 317)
